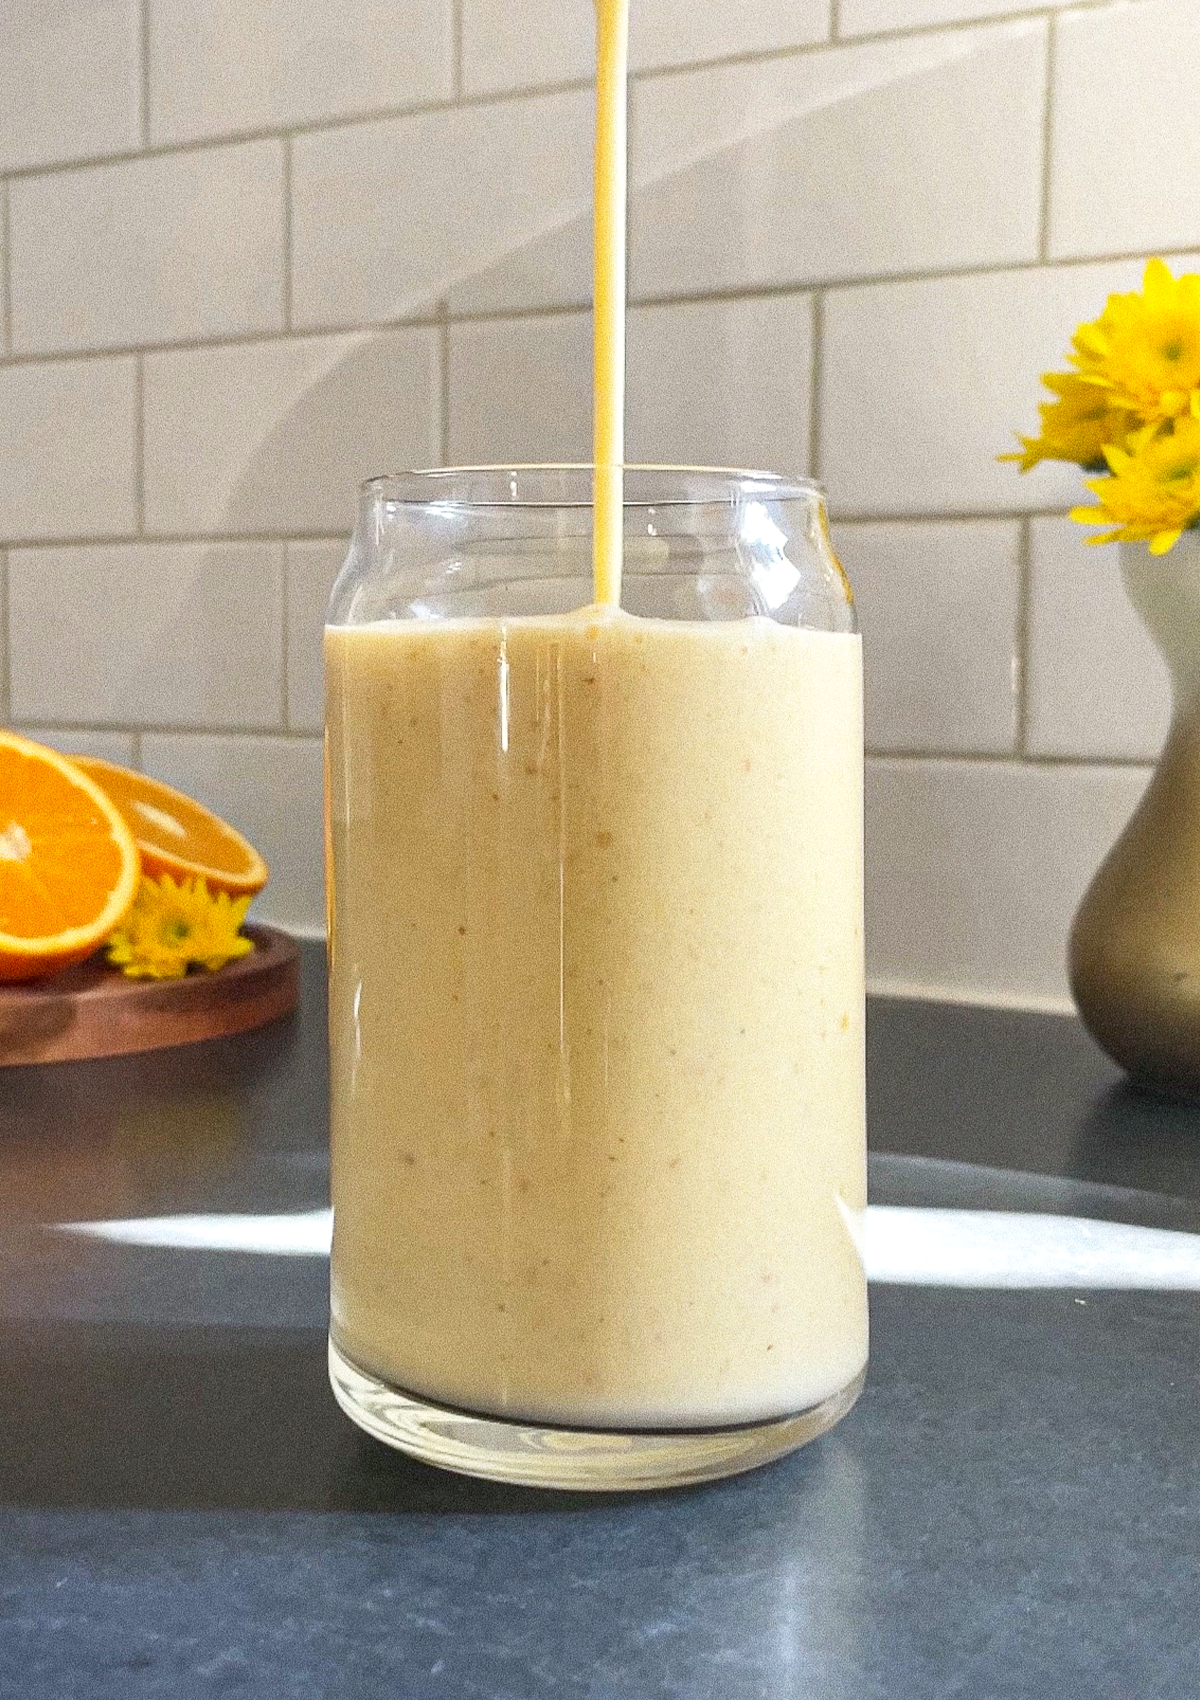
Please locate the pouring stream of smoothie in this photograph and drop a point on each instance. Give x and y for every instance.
(608, 356)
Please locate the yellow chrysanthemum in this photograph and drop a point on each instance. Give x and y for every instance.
(1144, 349)
(173, 926)
(1153, 495)
(1079, 426)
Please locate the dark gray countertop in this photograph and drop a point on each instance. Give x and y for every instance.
(1012, 1510)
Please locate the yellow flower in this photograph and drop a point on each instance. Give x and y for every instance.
(1153, 495)
(171, 926)
(1143, 351)
(1079, 426)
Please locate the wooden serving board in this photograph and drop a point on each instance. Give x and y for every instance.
(93, 1010)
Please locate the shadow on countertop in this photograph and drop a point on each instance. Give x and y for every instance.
(1016, 1090)
(97, 1418)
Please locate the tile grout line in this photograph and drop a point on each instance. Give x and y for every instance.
(444, 390)
(139, 444)
(878, 280)
(1023, 637)
(835, 20)
(166, 539)
(236, 339)
(679, 298)
(169, 729)
(1009, 760)
(530, 91)
(816, 381)
(297, 129)
(283, 561)
(949, 516)
(1006, 760)
(144, 88)
(456, 48)
(867, 38)
(287, 279)
(632, 124)
(266, 539)
(1047, 141)
(6, 270)
(5, 647)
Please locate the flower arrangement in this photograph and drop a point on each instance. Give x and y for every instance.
(173, 926)
(1130, 411)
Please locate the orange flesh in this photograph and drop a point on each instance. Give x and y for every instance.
(68, 866)
(178, 836)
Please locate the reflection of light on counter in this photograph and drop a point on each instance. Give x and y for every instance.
(304, 1233)
(1003, 1248)
(903, 1246)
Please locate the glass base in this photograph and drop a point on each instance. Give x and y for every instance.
(533, 1455)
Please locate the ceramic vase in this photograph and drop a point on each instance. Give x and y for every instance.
(1134, 955)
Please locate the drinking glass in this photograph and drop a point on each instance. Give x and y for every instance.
(596, 976)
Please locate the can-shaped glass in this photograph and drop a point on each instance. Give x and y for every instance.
(596, 976)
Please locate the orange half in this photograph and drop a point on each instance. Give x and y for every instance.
(68, 863)
(177, 836)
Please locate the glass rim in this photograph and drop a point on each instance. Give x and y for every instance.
(717, 486)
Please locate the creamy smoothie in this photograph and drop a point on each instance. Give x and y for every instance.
(597, 1015)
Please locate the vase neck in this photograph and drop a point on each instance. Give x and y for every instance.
(1165, 591)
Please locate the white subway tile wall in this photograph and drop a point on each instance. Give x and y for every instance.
(528, 42)
(979, 862)
(486, 206)
(222, 66)
(524, 44)
(922, 384)
(271, 789)
(311, 570)
(263, 248)
(177, 247)
(274, 437)
(3, 636)
(4, 336)
(866, 17)
(855, 162)
(938, 603)
(90, 645)
(118, 747)
(1097, 685)
(519, 390)
(712, 383)
(722, 383)
(70, 81)
(68, 449)
(1125, 144)
(679, 32)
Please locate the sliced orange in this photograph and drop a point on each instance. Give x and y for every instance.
(177, 836)
(68, 864)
